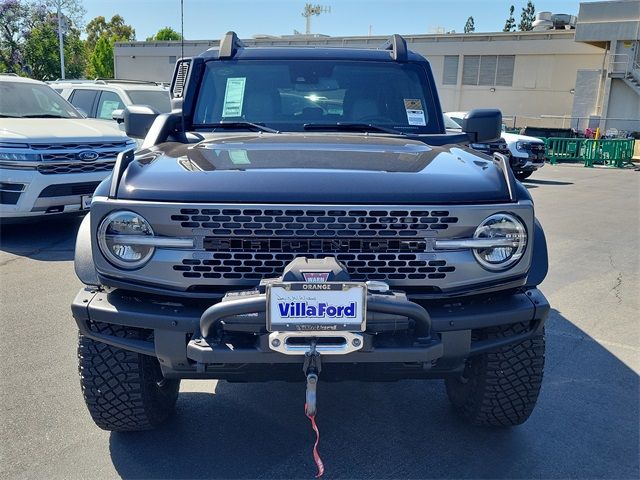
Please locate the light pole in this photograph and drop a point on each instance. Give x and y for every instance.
(60, 39)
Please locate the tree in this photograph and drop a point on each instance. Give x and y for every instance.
(101, 36)
(510, 24)
(165, 34)
(527, 17)
(469, 26)
(115, 29)
(12, 30)
(41, 53)
(101, 59)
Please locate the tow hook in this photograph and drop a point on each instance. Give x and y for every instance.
(311, 368)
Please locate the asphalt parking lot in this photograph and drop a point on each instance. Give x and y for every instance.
(586, 424)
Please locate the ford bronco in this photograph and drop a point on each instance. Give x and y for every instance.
(303, 214)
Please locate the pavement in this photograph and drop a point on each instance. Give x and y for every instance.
(586, 423)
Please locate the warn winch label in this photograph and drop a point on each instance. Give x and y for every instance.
(316, 306)
(305, 310)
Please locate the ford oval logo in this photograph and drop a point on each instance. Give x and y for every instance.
(88, 156)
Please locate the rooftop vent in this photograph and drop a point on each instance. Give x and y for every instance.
(554, 21)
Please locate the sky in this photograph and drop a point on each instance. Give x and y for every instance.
(210, 19)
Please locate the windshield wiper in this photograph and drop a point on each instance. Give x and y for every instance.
(42, 115)
(238, 126)
(352, 127)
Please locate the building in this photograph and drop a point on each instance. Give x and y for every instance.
(555, 78)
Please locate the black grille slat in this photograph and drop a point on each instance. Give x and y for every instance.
(68, 189)
(253, 222)
(76, 167)
(78, 146)
(361, 267)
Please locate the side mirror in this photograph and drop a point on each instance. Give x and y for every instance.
(138, 120)
(118, 115)
(482, 125)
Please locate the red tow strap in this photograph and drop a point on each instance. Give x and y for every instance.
(316, 455)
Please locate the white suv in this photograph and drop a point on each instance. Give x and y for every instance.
(100, 98)
(51, 157)
(526, 154)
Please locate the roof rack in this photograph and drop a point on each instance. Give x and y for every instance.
(229, 45)
(119, 80)
(397, 47)
(9, 74)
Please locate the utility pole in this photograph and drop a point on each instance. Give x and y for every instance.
(60, 39)
(311, 11)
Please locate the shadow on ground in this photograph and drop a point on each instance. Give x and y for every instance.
(46, 239)
(545, 182)
(585, 425)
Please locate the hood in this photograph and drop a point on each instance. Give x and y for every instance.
(46, 130)
(514, 137)
(313, 168)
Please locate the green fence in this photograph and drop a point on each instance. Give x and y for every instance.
(611, 152)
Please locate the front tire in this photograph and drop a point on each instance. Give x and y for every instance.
(124, 390)
(500, 388)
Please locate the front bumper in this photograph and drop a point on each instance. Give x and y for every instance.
(30, 202)
(171, 331)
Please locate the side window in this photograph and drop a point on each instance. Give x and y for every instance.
(84, 99)
(108, 102)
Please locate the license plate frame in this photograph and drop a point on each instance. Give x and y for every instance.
(85, 202)
(309, 294)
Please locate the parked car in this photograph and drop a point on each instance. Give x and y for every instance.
(357, 242)
(526, 154)
(100, 98)
(488, 148)
(51, 157)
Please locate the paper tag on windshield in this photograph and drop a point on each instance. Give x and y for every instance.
(233, 97)
(415, 112)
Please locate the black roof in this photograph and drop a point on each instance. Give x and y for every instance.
(312, 53)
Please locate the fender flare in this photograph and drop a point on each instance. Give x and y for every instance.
(540, 258)
(83, 259)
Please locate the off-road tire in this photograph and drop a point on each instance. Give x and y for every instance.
(500, 388)
(523, 175)
(124, 390)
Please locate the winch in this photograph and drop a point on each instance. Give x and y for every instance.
(315, 309)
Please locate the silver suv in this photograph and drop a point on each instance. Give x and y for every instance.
(100, 98)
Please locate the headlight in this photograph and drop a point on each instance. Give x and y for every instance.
(508, 229)
(9, 156)
(121, 237)
(522, 146)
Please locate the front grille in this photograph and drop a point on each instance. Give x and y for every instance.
(73, 156)
(77, 167)
(68, 189)
(361, 266)
(119, 146)
(314, 223)
(314, 245)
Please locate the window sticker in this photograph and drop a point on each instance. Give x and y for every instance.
(239, 157)
(233, 97)
(107, 108)
(415, 112)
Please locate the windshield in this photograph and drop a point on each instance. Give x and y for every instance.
(450, 123)
(33, 100)
(156, 99)
(287, 95)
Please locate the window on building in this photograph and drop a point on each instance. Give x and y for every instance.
(488, 70)
(450, 73)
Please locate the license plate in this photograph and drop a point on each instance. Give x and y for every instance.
(316, 307)
(85, 201)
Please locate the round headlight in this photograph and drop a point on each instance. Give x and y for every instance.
(508, 231)
(119, 238)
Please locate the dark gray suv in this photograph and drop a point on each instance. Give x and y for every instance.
(303, 214)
